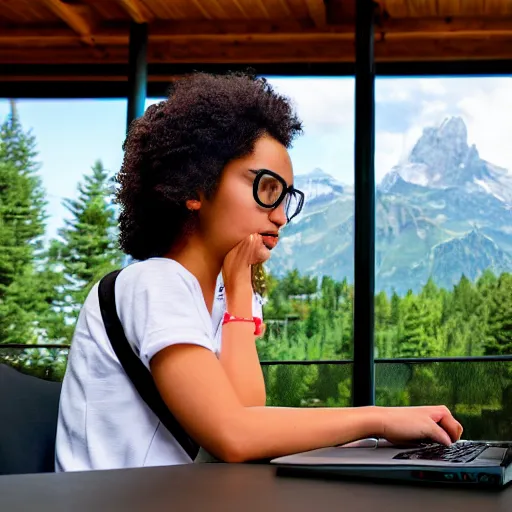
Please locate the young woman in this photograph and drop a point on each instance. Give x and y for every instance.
(205, 187)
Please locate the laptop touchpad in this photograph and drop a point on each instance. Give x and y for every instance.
(493, 453)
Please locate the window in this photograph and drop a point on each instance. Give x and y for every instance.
(444, 245)
(58, 228)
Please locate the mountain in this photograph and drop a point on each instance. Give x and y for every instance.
(443, 212)
(469, 255)
(318, 187)
(442, 158)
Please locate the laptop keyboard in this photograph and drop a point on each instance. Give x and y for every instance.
(458, 453)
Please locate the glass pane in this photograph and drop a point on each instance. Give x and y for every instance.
(479, 394)
(443, 217)
(44, 363)
(309, 302)
(308, 385)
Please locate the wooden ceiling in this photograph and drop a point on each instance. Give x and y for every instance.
(250, 31)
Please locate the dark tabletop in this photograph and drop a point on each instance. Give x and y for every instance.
(223, 487)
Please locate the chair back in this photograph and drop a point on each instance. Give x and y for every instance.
(28, 422)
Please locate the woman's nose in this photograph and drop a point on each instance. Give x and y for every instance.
(278, 215)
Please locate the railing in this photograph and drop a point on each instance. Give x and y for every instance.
(408, 360)
(478, 390)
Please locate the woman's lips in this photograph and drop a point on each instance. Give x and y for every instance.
(270, 241)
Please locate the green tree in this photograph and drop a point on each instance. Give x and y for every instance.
(415, 341)
(22, 224)
(88, 248)
(382, 311)
(28, 209)
(395, 308)
(499, 337)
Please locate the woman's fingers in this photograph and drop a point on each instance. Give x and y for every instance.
(439, 435)
(451, 426)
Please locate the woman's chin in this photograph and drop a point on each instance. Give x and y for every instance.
(263, 254)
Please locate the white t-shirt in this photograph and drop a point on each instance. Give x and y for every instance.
(103, 423)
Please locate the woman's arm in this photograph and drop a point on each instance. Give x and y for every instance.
(196, 389)
(239, 357)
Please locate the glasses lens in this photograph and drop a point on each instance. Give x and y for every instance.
(292, 204)
(269, 190)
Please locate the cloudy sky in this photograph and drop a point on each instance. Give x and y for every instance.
(71, 135)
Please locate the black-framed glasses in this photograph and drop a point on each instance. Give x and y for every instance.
(270, 190)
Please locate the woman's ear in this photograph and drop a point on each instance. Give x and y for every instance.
(193, 204)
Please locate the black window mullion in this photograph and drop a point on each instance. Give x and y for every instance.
(363, 386)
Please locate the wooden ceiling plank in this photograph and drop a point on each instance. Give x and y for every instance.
(135, 10)
(263, 9)
(201, 8)
(220, 8)
(172, 29)
(240, 7)
(317, 12)
(285, 7)
(74, 20)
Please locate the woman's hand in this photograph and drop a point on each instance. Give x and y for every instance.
(236, 270)
(401, 424)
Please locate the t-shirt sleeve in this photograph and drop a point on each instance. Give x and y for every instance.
(168, 309)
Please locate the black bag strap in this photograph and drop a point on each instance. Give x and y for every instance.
(138, 373)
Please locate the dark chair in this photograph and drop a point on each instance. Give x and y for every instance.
(28, 422)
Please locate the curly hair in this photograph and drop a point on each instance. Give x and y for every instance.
(180, 146)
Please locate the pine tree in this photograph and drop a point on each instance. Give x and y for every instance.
(415, 341)
(88, 249)
(28, 212)
(22, 224)
(383, 311)
(499, 337)
(395, 308)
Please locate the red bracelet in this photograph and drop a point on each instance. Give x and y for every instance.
(232, 318)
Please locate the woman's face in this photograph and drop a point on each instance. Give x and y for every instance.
(232, 214)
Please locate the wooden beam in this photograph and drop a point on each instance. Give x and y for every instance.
(267, 51)
(66, 55)
(28, 38)
(493, 26)
(74, 20)
(38, 37)
(286, 31)
(234, 27)
(317, 13)
(135, 10)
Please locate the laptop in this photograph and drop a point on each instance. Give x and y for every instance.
(465, 463)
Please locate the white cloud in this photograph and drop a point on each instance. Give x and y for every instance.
(321, 103)
(389, 149)
(399, 90)
(388, 90)
(434, 111)
(432, 86)
(489, 120)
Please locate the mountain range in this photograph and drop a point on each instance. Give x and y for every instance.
(441, 213)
